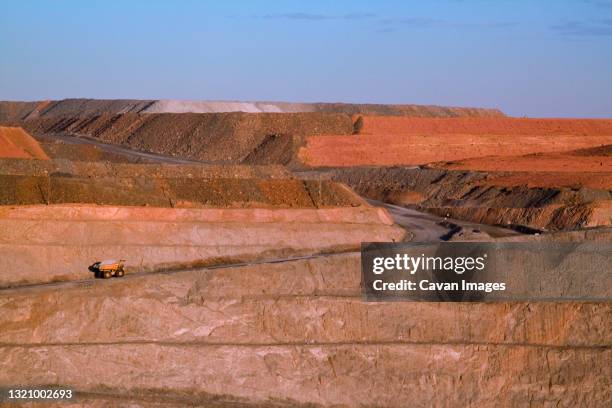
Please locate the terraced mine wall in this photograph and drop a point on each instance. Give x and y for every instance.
(110, 169)
(503, 126)
(183, 192)
(298, 333)
(397, 141)
(274, 330)
(81, 152)
(326, 139)
(473, 196)
(58, 217)
(602, 234)
(421, 149)
(57, 243)
(561, 166)
(265, 138)
(18, 111)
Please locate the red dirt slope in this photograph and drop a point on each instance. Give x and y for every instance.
(485, 126)
(556, 162)
(585, 167)
(387, 140)
(16, 143)
(412, 149)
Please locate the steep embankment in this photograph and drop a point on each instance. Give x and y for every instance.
(388, 141)
(540, 173)
(297, 333)
(16, 143)
(224, 137)
(13, 112)
(555, 162)
(503, 126)
(482, 197)
(92, 169)
(413, 150)
(50, 243)
(59, 217)
(186, 192)
(208, 131)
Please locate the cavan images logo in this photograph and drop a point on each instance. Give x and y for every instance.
(483, 271)
(441, 265)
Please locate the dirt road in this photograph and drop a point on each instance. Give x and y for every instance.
(426, 227)
(37, 287)
(115, 149)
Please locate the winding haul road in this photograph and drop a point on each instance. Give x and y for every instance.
(423, 227)
(117, 149)
(426, 227)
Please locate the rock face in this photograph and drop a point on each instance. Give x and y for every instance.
(216, 137)
(90, 169)
(544, 174)
(44, 244)
(295, 333)
(173, 192)
(243, 281)
(483, 198)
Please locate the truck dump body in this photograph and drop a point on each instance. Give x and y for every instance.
(108, 269)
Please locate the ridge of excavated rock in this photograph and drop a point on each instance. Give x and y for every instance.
(16, 111)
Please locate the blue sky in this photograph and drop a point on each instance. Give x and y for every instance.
(534, 58)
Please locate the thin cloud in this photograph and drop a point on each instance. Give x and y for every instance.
(413, 22)
(388, 24)
(600, 3)
(318, 17)
(590, 28)
(392, 24)
(385, 30)
(485, 25)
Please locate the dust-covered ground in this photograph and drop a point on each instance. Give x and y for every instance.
(240, 225)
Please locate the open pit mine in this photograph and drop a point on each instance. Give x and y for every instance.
(240, 224)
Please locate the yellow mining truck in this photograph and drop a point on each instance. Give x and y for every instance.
(107, 269)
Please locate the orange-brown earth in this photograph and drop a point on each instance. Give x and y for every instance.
(298, 334)
(563, 169)
(58, 242)
(540, 162)
(284, 332)
(602, 181)
(541, 173)
(16, 143)
(235, 137)
(387, 141)
(485, 126)
(412, 149)
(477, 197)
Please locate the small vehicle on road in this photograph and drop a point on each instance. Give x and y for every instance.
(108, 269)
